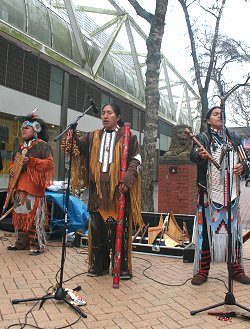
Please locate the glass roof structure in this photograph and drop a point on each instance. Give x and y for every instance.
(103, 43)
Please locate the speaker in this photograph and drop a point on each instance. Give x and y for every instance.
(188, 253)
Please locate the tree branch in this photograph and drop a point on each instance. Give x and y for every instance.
(214, 44)
(141, 11)
(233, 89)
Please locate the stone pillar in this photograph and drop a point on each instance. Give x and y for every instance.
(177, 187)
(177, 176)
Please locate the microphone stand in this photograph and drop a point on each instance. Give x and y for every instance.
(229, 298)
(60, 293)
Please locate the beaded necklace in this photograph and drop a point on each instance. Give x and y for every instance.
(27, 145)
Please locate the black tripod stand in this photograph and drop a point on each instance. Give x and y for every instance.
(60, 293)
(229, 298)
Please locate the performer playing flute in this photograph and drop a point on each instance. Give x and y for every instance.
(102, 150)
(29, 215)
(211, 234)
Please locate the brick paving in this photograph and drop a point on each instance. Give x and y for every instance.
(157, 296)
(244, 205)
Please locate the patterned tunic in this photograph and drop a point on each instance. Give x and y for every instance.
(213, 202)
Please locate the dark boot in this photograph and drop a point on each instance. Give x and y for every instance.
(100, 264)
(239, 274)
(202, 275)
(22, 241)
(99, 249)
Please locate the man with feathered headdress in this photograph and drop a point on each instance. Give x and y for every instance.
(29, 215)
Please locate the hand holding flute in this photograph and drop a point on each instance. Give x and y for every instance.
(203, 153)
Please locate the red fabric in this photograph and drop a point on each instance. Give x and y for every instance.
(39, 174)
(204, 264)
(25, 221)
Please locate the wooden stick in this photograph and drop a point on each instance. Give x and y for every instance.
(144, 232)
(7, 213)
(242, 153)
(246, 236)
(136, 234)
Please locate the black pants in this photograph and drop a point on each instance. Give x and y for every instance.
(103, 237)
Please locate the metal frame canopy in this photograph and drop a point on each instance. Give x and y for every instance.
(105, 44)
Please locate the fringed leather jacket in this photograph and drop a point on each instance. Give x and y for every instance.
(101, 197)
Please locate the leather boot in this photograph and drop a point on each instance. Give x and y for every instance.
(239, 274)
(202, 275)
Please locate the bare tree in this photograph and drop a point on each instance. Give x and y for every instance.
(216, 11)
(228, 51)
(240, 107)
(212, 54)
(218, 53)
(152, 96)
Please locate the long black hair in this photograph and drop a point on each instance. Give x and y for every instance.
(211, 110)
(208, 117)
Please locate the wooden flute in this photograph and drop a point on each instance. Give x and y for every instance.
(195, 140)
(242, 153)
(121, 208)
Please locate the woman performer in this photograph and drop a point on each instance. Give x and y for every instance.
(212, 216)
(102, 151)
(30, 215)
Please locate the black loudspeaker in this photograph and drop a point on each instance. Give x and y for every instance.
(6, 223)
(188, 253)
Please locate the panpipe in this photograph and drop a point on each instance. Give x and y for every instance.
(17, 168)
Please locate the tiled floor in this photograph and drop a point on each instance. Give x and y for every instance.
(158, 296)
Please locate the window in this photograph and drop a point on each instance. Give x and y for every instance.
(3, 60)
(105, 99)
(56, 84)
(165, 128)
(81, 95)
(135, 122)
(30, 74)
(43, 80)
(72, 92)
(14, 68)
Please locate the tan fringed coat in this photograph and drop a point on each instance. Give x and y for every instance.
(103, 187)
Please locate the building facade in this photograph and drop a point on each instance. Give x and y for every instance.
(52, 58)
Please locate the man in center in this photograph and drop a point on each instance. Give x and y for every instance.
(102, 150)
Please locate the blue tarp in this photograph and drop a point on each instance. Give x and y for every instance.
(78, 214)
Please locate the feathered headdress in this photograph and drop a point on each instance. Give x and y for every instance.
(40, 127)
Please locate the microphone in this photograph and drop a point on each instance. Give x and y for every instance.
(95, 109)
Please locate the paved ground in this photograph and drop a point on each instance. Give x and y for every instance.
(158, 296)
